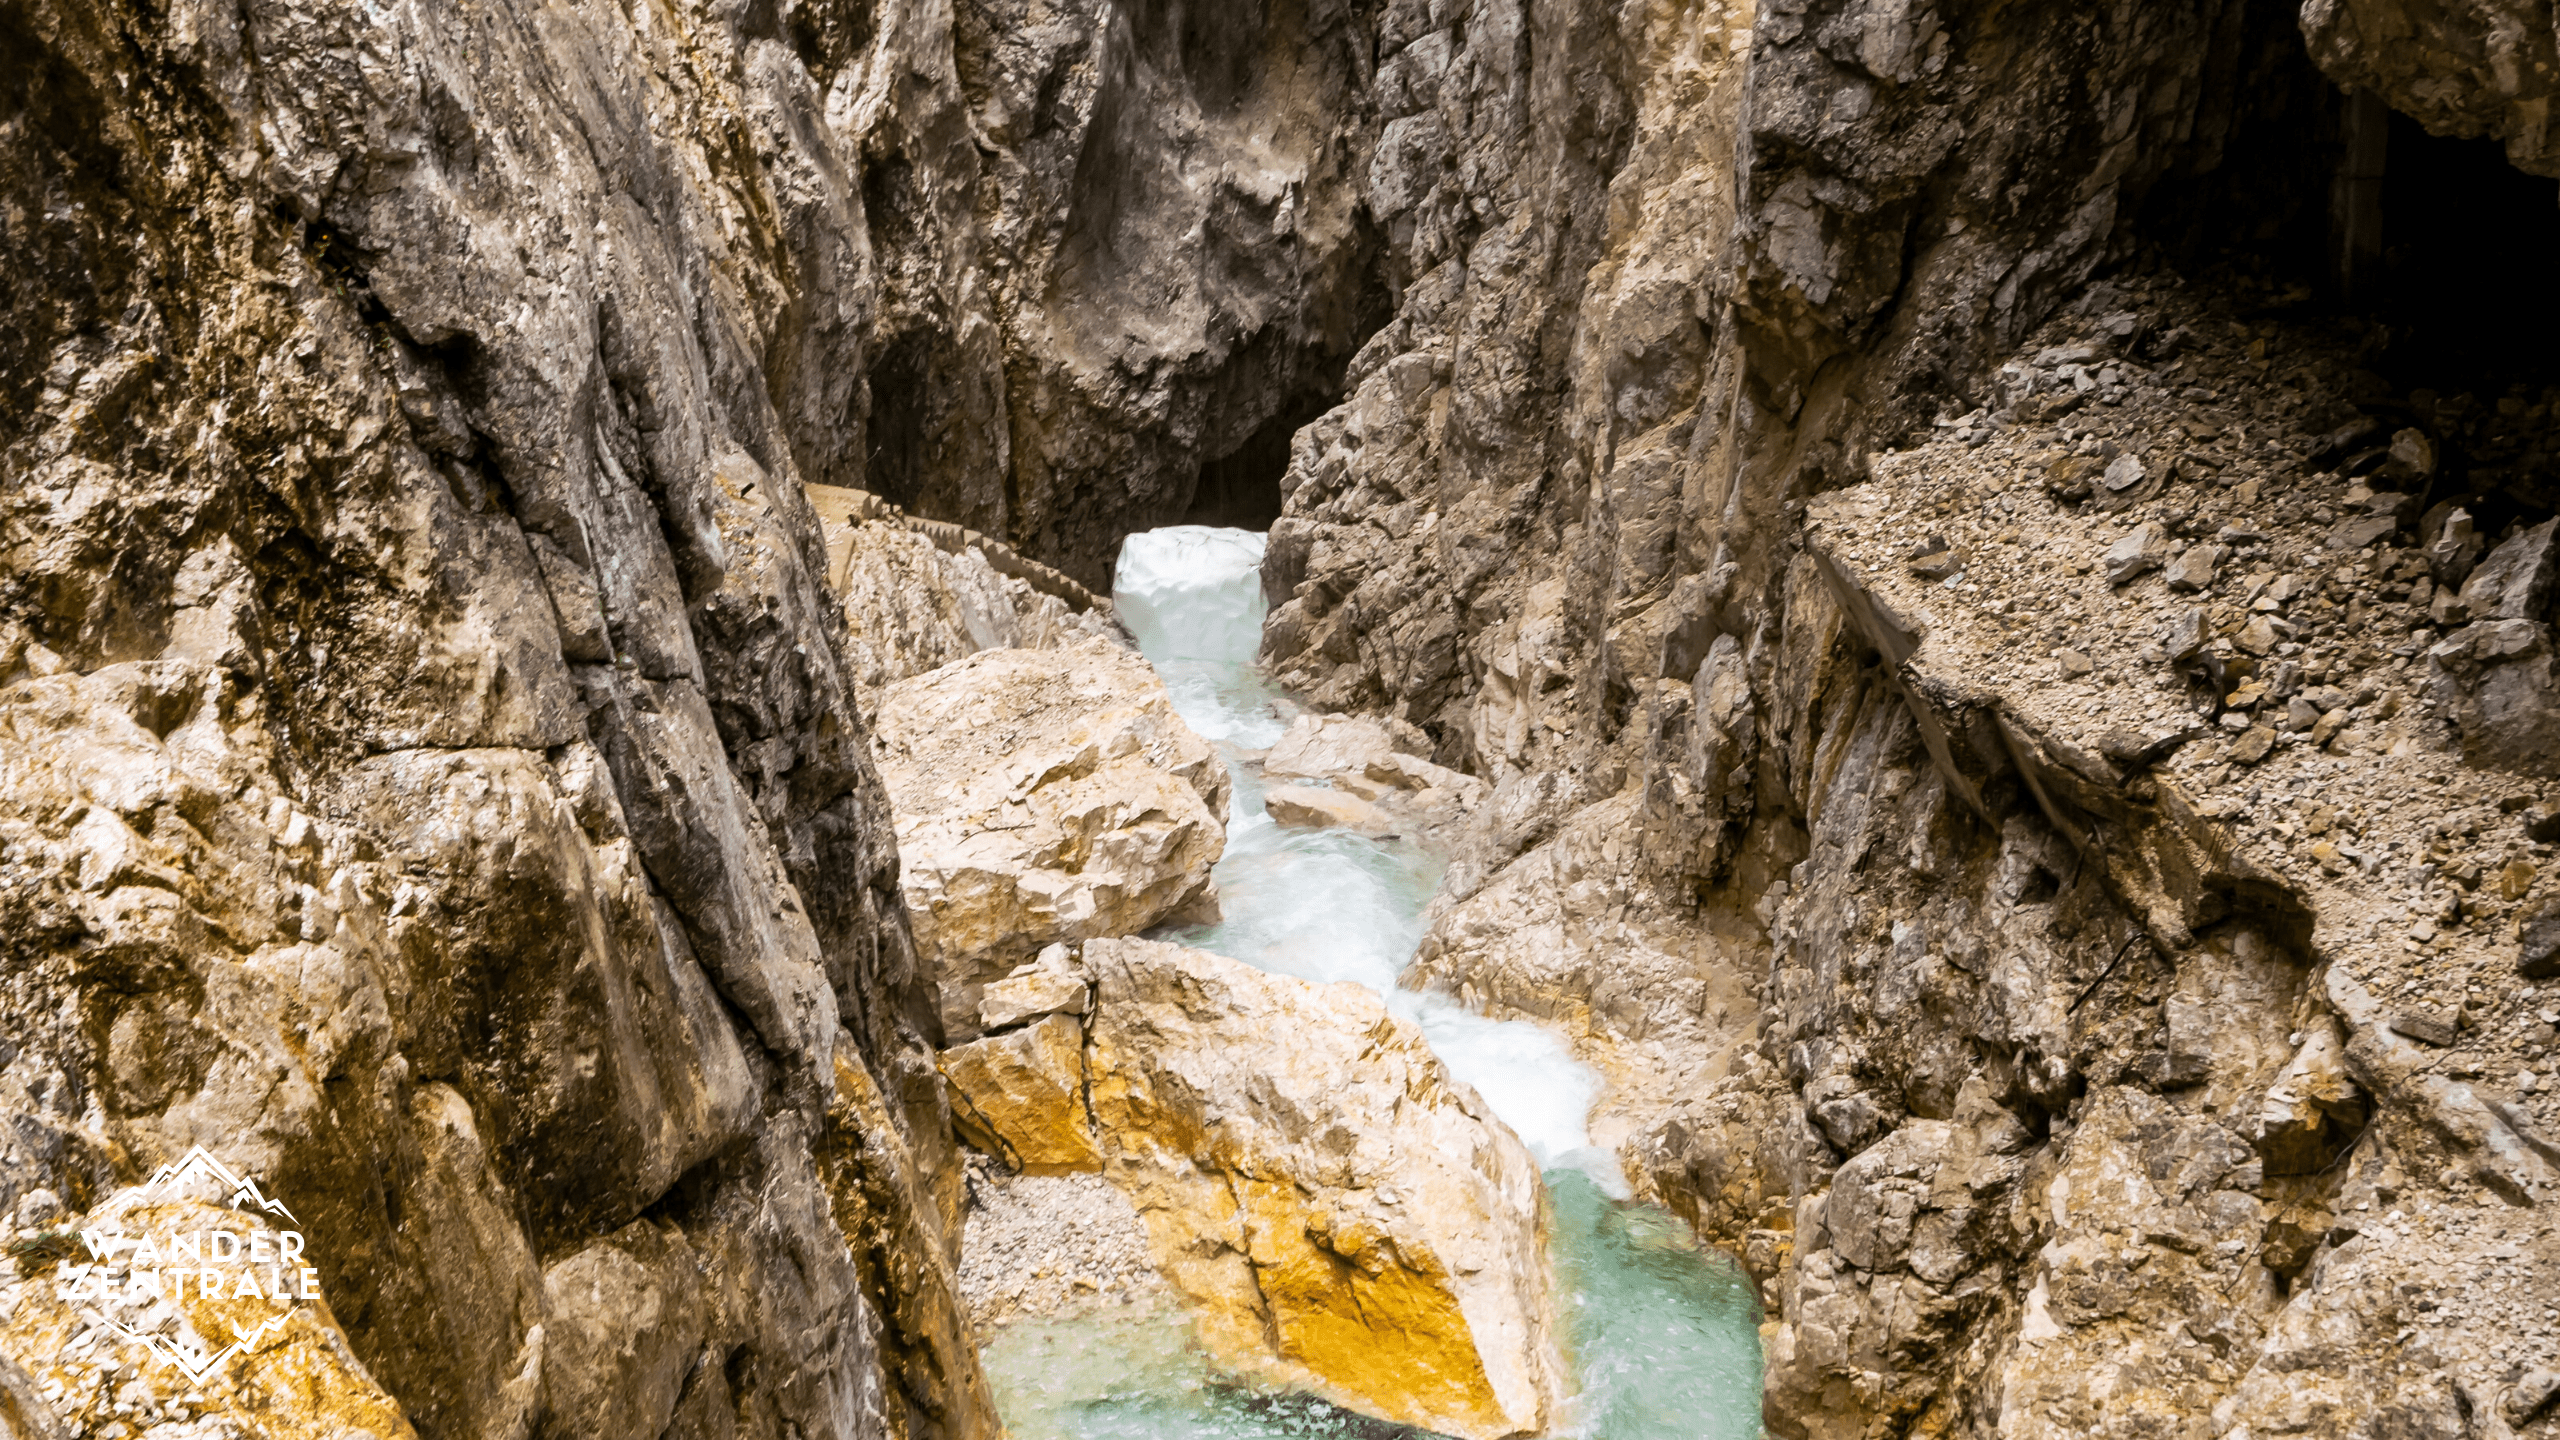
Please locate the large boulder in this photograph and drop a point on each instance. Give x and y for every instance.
(1043, 796)
(1321, 747)
(1375, 777)
(1336, 1210)
(1021, 1095)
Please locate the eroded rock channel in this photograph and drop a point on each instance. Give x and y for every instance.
(1333, 1183)
(1921, 631)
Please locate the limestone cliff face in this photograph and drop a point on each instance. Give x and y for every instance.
(1843, 867)
(1117, 247)
(432, 780)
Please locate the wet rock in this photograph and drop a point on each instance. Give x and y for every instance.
(1313, 806)
(1319, 747)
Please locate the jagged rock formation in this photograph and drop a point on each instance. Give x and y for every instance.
(2489, 69)
(1855, 933)
(1332, 1207)
(1374, 778)
(1044, 796)
(1114, 251)
(432, 779)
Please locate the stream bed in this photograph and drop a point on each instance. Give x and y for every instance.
(1661, 1335)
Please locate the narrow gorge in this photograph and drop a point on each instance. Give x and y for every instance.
(1357, 718)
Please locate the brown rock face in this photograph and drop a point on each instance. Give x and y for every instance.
(2488, 68)
(2034, 839)
(2105, 994)
(1021, 1095)
(431, 778)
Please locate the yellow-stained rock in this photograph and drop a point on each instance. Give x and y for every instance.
(1021, 1094)
(1328, 1200)
(295, 1380)
(1352, 1307)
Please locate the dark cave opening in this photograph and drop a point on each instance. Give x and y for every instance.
(1241, 488)
(2427, 257)
(2468, 285)
(895, 468)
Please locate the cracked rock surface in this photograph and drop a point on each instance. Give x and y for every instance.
(2030, 775)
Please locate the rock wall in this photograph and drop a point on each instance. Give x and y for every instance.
(1044, 796)
(1116, 245)
(2028, 1032)
(433, 782)
(2488, 69)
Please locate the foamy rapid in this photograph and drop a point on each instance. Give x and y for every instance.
(1662, 1337)
(1324, 905)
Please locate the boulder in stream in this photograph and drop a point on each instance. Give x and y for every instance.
(1043, 796)
(1334, 1207)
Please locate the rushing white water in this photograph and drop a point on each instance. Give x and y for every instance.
(1324, 904)
(1662, 1337)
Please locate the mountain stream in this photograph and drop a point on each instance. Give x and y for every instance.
(1661, 1334)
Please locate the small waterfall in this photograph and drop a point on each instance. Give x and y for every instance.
(1660, 1334)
